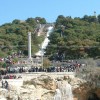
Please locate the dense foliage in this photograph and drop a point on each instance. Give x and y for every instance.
(75, 38)
(13, 36)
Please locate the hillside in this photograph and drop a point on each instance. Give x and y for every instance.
(13, 36)
(72, 38)
(75, 38)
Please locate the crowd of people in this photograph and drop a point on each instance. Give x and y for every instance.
(66, 67)
(9, 77)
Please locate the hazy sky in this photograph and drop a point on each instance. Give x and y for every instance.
(49, 9)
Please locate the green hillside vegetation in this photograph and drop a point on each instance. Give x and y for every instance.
(13, 36)
(75, 38)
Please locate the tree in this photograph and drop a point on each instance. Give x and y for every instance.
(31, 21)
(46, 62)
(1, 64)
(16, 21)
(4, 65)
(98, 18)
(40, 20)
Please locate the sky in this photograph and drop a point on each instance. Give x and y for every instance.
(48, 9)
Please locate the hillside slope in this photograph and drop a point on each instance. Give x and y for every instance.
(13, 36)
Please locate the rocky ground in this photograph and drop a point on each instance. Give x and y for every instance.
(43, 87)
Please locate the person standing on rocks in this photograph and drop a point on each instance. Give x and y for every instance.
(6, 85)
(2, 84)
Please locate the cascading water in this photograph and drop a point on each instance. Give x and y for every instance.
(65, 89)
(68, 92)
(57, 95)
(45, 42)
